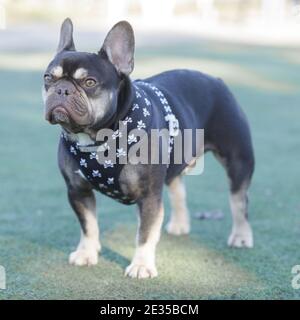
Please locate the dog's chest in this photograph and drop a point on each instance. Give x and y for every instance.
(101, 164)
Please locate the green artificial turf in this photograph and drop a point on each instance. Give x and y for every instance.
(38, 230)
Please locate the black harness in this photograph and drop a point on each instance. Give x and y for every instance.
(104, 175)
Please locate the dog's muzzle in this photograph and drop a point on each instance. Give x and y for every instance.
(66, 105)
(58, 115)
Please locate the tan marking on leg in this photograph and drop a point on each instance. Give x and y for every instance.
(241, 234)
(89, 245)
(179, 221)
(143, 262)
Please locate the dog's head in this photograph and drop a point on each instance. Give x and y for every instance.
(81, 89)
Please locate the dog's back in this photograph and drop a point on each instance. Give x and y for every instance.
(204, 102)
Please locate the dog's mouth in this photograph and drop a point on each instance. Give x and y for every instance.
(58, 115)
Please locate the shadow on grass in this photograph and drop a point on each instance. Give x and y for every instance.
(113, 256)
(187, 270)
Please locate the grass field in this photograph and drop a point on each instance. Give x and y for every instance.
(38, 229)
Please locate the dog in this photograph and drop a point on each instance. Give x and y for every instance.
(87, 92)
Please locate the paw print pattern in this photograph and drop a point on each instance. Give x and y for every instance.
(127, 120)
(141, 125)
(96, 173)
(73, 150)
(117, 134)
(93, 155)
(110, 180)
(83, 163)
(104, 176)
(108, 164)
(135, 106)
(147, 101)
(121, 152)
(146, 113)
(137, 94)
(132, 138)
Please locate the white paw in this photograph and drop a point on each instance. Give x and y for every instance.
(140, 271)
(241, 237)
(85, 256)
(178, 228)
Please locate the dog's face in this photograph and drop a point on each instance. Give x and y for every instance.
(81, 89)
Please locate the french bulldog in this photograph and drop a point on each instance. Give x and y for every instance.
(87, 92)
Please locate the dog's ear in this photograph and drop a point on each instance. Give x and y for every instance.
(66, 36)
(118, 47)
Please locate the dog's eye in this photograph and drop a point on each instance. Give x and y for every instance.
(90, 82)
(47, 77)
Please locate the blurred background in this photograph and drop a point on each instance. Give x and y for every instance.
(32, 25)
(254, 46)
(256, 19)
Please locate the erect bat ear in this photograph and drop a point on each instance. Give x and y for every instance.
(118, 47)
(66, 36)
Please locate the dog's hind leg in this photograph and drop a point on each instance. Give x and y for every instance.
(239, 170)
(179, 222)
(241, 234)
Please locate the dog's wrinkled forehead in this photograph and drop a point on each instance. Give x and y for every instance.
(79, 65)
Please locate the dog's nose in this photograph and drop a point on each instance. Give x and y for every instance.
(62, 91)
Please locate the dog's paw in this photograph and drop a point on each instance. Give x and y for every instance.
(241, 238)
(140, 271)
(84, 257)
(177, 228)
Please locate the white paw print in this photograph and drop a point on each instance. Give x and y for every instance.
(64, 135)
(121, 152)
(73, 150)
(167, 108)
(117, 134)
(108, 164)
(146, 112)
(127, 120)
(163, 100)
(83, 163)
(110, 180)
(96, 173)
(147, 101)
(93, 155)
(131, 138)
(135, 106)
(141, 125)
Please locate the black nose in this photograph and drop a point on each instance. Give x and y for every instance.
(62, 91)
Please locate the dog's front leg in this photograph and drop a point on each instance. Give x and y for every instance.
(151, 213)
(84, 204)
